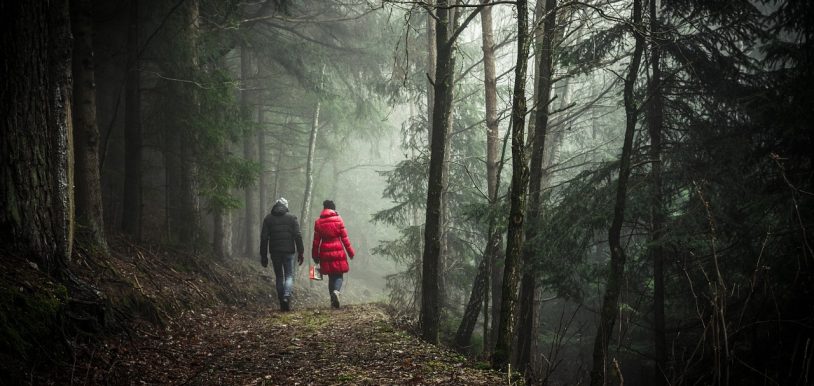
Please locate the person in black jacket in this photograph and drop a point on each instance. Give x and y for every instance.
(281, 238)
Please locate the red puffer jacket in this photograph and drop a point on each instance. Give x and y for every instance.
(330, 242)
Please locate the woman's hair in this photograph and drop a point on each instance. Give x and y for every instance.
(328, 204)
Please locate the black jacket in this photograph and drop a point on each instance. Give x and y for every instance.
(281, 233)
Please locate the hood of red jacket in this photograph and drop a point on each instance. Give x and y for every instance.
(328, 213)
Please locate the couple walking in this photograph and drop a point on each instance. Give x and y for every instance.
(281, 240)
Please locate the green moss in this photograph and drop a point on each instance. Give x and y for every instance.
(346, 377)
(382, 326)
(436, 366)
(306, 322)
(29, 320)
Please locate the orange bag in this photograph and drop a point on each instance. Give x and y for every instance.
(313, 272)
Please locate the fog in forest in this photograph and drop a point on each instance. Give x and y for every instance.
(579, 192)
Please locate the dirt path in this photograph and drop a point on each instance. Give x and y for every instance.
(355, 345)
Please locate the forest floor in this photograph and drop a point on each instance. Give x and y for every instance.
(354, 345)
(174, 318)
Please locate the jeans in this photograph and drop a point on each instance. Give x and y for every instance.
(283, 266)
(334, 282)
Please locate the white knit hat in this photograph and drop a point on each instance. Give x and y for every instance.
(282, 201)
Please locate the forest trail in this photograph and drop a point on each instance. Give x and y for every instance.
(356, 345)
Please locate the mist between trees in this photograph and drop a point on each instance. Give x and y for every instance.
(601, 191)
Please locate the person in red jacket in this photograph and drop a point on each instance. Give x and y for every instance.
(331, 248)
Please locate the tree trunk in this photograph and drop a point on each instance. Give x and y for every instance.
(514, 244)
(36, 216)
(309, 164)
(444, 253)
(182, 219)
(442, 108)
(655, 119)
(493, 180)
(470, 316)
(220, 232)
(132, 195)
(90, 221)
(528, 286)
(278, 167)
(610, 301)
(478, 295)
(480, 286)
(249, 149)
(262, 182)
(432, 60)
(497, 291)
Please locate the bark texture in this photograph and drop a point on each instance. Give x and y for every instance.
(528, 285)
(35, 104)
(429, 317)
(517, 197)
(88, 190)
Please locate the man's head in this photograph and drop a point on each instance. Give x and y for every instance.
(328, 204)
(281, 201)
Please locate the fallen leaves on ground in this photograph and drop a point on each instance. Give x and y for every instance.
(356, 345)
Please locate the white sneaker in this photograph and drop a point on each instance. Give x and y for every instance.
(335, 299)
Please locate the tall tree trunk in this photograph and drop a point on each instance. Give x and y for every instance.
(444, 253)
(182, 219)
(220, 232)
(496, 276)
(309, 164)
(442, 108)
(528, 285)
(278, 167)
(432, 61)
(514, 244)
(249, 149)
(132, 195)
(495, 237)
(610, 301)
(36, 216)
(90, 220)
(472, 309)
(262, 152)
(480, 286)
(655, 119)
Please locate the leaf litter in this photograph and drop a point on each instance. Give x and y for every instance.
(355, 345)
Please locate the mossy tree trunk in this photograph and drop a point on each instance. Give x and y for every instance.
(517, 197)
(545, 58)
